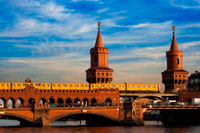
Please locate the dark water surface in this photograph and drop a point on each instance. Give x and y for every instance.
(60, 127)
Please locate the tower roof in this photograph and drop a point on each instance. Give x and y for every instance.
(99, 41)
(174, 45)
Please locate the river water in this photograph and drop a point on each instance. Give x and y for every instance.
(9, 126)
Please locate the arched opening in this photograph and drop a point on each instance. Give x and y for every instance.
(108, 102)
(13, 119)
(85, 102)
(2, 103)
(11, 103)
(89, 118)
(60, 102)
(51, 102)
(77, 102)
(42, 101)
(31, 102)
(93, 102)
(19, 103)
(178, 61)
(68, 102)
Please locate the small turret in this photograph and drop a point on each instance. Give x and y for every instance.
(27, 80)
(99, 72)
(175, 77)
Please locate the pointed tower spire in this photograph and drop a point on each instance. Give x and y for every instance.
(99, 41)
(174, 45)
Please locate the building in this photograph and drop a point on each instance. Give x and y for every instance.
(99, 72)
(175, 77)
(194, 82)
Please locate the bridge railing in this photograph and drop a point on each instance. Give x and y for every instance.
(71, 105)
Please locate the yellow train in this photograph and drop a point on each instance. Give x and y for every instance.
(82, 86)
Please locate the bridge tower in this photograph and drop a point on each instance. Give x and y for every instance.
(99, 72)
(175, 77)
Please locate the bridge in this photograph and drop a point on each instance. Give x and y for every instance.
(162, 96)
(33, 106)
(42, 115)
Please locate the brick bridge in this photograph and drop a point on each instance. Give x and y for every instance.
(43, 115)
(32, 106)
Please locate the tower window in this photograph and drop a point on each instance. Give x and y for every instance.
(178, 62)
(95, 58)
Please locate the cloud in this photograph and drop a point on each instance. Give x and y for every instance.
(102, 10)
(85, 0)
(185, 4)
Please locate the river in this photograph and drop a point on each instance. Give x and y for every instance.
(9, 126)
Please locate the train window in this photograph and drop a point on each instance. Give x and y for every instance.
(58, 85)
(106, 73)
(25, 84)
(128, 85)
(43, 85)
(179, 75)
(37, 85)
(102, 85)
(138, 86)
(64, 85)
(133, 85)
(154, 86)
(96, 86)
(70, 85)
(13, 84)
(48, 85)
(75, 85)
(55, 90)
(18, 84)
(113, 85)
(102, 73)
(149, 86)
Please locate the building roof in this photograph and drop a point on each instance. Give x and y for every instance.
(99, 41)
(174, 45)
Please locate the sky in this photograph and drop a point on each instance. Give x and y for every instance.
(49, 41)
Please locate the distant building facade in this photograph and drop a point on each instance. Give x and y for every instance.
(194, 82)
(175, 77)
(99, 72)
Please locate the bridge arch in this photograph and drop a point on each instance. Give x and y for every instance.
(77, 100)
(3, 101)
(42, 101)
(19, 102)
(60, 102)
(11, 103)
(108, 101)
(150, 97)
(17, 116)
(89, 113)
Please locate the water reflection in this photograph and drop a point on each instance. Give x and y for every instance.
(60, 126)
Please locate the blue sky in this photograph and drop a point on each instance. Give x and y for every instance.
(49, 41)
